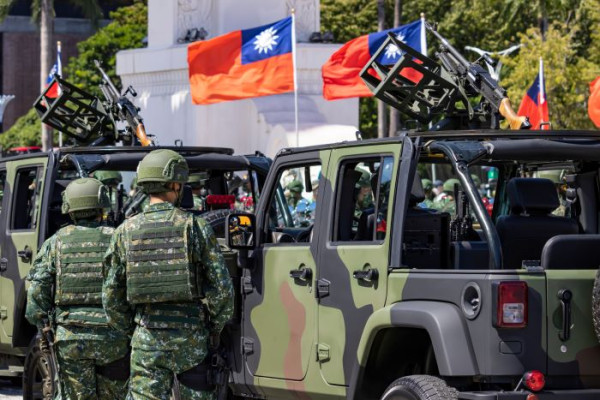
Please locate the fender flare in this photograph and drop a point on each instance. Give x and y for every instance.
(443, 322)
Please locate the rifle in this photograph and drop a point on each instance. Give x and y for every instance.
(477, 80)
(47, 348)
(122, 107)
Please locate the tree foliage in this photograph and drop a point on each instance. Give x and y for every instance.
(126, 31)
(571, 50)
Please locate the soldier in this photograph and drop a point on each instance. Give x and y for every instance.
(167, 276)
(295, 188)
(111, 179)
(66, 281)
(445, 202)
(428, 190)
(364, 196)
(197, 183)
(557, 177)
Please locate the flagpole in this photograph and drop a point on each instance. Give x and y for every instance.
(59, 72)
(295, 76)
(542, 86)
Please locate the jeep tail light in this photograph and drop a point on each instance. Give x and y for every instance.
(512, 305)
(534, 380)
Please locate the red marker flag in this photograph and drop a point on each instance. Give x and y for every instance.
(341, 73)
(242, 64)
(594, 102)
(534, 104)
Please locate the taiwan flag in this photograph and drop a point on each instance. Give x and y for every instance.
(56, 69)
(341, 73)
(594, 102)
(242, 64)
(534, 104)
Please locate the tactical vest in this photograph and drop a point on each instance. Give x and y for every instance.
(159, 269)
(79, 277)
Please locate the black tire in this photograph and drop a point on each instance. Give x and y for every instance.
(216, 220)
(419, 387)
(596, 305)
(38, 382)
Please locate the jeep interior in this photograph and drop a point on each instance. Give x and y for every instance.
(506, 212)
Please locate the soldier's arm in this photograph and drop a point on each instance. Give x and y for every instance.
(40, 296)
(216, 283)
(114, 288)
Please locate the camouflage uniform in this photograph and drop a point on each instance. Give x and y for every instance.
(83, 339)
(170, 337)
(367, 201)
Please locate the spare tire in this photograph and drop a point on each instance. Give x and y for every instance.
(596, 305)
(216, 220)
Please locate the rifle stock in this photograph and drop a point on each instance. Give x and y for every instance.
(515, 121)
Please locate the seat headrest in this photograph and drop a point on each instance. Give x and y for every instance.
(417, 194)
(532, 196)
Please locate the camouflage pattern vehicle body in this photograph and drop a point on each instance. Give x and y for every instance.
(415, 303)
(31, 212)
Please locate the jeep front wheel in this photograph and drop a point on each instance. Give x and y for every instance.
(38, 382)
(419, 387)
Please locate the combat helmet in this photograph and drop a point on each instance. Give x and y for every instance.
(84, 197)
(555, 175)
(427, 184)
(364, 180)
(110, 178)
(159, 168)
(449, 185)
(295, 186)
(196, 181)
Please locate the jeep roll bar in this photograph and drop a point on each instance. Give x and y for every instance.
(462, 154)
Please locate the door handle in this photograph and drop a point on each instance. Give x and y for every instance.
(3, 264)
(302, 273)
(25, 254)
(367, 275)
(565, 297)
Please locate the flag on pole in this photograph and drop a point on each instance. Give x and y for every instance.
(242, 64)
(534, 104)
(341, 72)
(56, 69)
(594, 102)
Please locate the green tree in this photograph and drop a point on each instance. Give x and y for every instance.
(42, 12)
(127, 30)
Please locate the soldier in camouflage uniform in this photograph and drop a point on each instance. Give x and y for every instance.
(445, 202)
(197, 182)
(428, 191)
(167, 277)
(112, 180)
(90, 354)
(364, 196)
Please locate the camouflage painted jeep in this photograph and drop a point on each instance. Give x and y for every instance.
(393, 298)
(30, 212)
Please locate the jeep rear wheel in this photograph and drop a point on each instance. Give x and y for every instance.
(419, 387)
(38, 382)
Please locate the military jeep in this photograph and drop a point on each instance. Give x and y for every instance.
(398, 300)
(30, 212)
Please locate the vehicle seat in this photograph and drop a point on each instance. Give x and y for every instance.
(572, 252)
(524, 232)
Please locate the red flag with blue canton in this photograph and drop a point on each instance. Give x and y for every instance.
(56, 69)
(534, 104)
(594, 102)
(341, 73)
(243, 64)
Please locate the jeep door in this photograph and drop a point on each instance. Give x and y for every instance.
(354, 244)
(19, 220)
(279, 302)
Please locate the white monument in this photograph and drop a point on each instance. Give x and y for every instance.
(159, 73)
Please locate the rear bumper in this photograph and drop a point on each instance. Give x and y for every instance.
(583, 394)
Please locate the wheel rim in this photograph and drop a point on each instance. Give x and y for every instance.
(42, 384)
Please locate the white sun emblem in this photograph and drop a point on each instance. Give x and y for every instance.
(265, 40)
(392, 51)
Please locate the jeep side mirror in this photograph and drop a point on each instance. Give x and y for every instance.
(240, 232)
